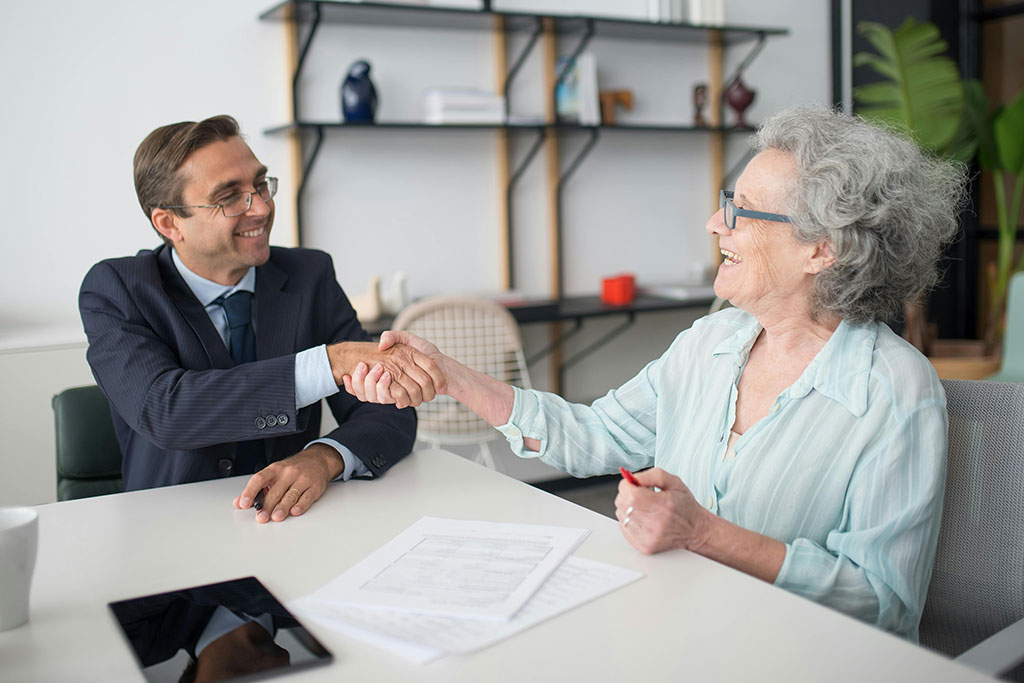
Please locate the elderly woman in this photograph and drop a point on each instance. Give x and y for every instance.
(794, 437)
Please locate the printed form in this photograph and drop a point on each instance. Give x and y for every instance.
(423, 638)
(457, 568)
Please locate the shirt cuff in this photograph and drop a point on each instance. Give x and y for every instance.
(524, 406)
(354, 467)
(313, 377)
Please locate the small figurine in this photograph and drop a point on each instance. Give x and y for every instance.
(358, 96)
(609, 99)
(700, 98)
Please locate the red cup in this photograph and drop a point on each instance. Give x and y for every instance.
(618, 290)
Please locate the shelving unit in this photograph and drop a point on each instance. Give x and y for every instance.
(305, 16)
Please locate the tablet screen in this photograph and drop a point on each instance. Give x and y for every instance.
(219, 632)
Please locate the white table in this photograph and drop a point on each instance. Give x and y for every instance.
(688, 619)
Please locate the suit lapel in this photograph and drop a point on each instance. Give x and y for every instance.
(277, 313)
(193, 312)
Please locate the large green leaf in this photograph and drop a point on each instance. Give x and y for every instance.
(1008, 130)
(922, 88)
(979, 120)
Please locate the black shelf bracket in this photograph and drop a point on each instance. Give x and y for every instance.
(599, 342)
(517, 63)
(307, 167)
(303, 51)
(751, 56)
(562, 338)
(513, 180)
(595, 133)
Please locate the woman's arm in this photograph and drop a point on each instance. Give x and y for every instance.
(487, 397)
(670, 518)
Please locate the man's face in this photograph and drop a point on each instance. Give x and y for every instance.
(219, 248)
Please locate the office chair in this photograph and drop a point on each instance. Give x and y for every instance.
(88, 455)
(480, 334)
(1012, 368)
(975, 605)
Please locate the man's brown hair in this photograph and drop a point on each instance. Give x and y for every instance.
(162, 153)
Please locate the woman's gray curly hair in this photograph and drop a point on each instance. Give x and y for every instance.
(886, 208)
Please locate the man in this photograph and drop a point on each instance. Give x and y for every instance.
(215, 349)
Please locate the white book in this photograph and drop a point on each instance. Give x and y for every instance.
(696, 13)
(586, 70)
(654, 10)
(678, 11)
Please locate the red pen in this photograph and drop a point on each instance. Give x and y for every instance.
(628, 476)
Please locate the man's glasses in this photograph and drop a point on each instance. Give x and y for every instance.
(239, 203)
(725, 202)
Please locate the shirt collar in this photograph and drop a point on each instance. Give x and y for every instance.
(208, 290)
(840, 370)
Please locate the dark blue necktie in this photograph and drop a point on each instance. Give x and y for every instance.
(242, 342)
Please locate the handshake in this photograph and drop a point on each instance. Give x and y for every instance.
(402, 369)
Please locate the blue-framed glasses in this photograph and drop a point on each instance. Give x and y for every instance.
(725, 202)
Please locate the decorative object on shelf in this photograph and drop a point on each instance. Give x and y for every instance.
(700, 98)
(618, 290)
(739, 97)
(706, 12)
(576, 92)
(395, 296)
(463, 105)
(367, 304)
(609, 100)
(358, 96)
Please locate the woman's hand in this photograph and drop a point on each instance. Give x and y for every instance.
(655, 521)
(374, 385)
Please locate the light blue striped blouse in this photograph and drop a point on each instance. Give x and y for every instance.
(847, 469)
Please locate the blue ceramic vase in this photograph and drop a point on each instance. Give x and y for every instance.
(358, 96)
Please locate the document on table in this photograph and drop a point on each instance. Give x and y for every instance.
(457, 568)
(423, 638)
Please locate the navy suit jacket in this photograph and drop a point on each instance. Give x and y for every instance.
(179, 403)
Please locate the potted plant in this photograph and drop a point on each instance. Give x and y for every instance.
(922, 90)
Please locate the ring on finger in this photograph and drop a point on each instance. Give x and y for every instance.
(629, 511)
(625, 522)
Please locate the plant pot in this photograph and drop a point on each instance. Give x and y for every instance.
(963, 359)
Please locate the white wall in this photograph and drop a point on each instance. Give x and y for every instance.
(84, 82)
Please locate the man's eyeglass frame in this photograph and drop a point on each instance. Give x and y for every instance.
(732, 211)
(271, 191)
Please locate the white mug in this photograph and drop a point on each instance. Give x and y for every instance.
(19, 535)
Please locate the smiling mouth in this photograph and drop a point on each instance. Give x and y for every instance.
(252, 233)
(731, 258)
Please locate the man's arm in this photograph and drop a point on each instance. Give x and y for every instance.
(138, 360)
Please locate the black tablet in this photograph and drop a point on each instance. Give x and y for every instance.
(228, 631)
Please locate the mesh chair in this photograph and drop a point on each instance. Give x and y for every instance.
(977, 586)
(480, 334)
(1012, 368)
(88, 455)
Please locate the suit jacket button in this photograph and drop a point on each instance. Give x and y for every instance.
(282, 419)
(224, 466)
(378, 461)
(271, 421)
(260, 423)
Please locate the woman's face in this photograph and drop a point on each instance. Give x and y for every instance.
(764, 268)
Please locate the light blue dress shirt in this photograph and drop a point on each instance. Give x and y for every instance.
(847, 469)
(313, 377)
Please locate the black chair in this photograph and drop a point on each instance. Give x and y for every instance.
(88, 456)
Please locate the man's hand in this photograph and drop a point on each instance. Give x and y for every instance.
(412, 376)
(656, 521)
(292, 485)
(375, 383)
